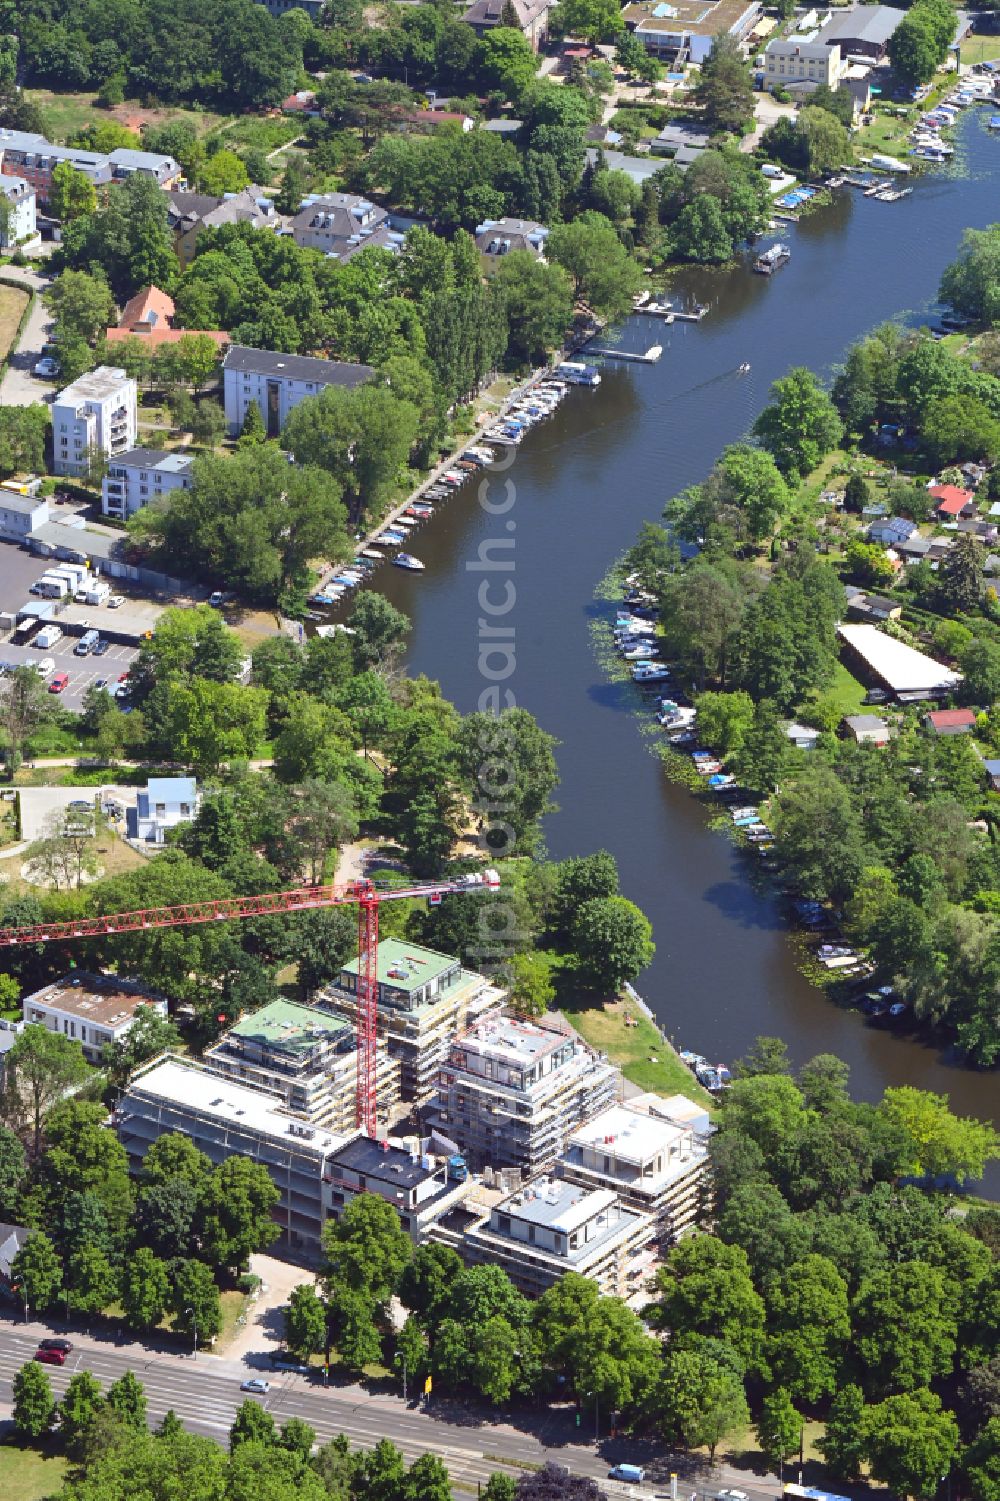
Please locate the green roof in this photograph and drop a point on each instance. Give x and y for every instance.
(289, 1026)
(406, 966)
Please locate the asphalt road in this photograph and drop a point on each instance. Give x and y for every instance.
(20, 387)
(205, 1393)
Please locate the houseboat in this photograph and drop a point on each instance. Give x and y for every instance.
(770, 260)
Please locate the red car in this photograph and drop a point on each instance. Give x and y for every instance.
(59, 683)
(51, 1357)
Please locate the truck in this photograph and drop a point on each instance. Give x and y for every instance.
(51, 586)
(92, 592)
(47, 637)
(458, 1169)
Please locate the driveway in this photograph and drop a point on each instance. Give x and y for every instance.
(264, 1329)
(767, 110)
(19, 387)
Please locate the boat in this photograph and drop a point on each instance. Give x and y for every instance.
(321, 598)
(650, 672)
(373, 552)
(744, 368)
(579, 374)
(408, 561)
(769, 262)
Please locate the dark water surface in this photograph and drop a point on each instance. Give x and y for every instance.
(724, 969)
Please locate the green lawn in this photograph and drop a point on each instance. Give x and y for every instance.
(845, 691)
(234, 1305)
(26, 1475)
(639, 1051)
(980, 49)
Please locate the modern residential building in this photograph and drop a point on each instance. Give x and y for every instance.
(531, 17)
(416, 1185)
(33, 158)
(309, 1057)
(862, 32)
(225, 1119)
(510, 1093)
(682, 141)
(162, 169)
(682, 32)
(424, 998)
(341, 224)
(20, 219)
(787, 60)
(94, 1010)
(97, 413)
(496, 238)
(140, 477)
(189, 213)
(166, 802)
(278, 382)
(551, 1227)
(652, 1152)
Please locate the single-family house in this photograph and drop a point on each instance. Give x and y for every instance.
(874, 607)
(166, 802)
(951, 502)
(803, 736)
(891, 530)
(866, 729)
(973, 474)
(992, 564)
(429, 119)
(977, 526)
(914, 549)
(680, 139)
(950, 721)
(602, 135)
(992, 770)
(529, 17)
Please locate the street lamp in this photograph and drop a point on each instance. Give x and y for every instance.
(194, 1330)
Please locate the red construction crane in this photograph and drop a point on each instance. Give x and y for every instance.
(364, 894)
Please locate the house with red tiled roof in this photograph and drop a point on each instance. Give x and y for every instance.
(950, 502)
(951, 721)
(149, 316)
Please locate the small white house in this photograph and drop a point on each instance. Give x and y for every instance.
(166, 802)
(802, 736)
(20, 225)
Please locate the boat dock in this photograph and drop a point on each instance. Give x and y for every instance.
(649, 358)
(695, 315)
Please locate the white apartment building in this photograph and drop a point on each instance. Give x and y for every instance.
(21, 225)
(93, 1010)
(278, 382)
(97, 412)
(225, 1119)
(140, 477)
(788, 61)
(652, 1152)
(416, 1185)
(551, 1227)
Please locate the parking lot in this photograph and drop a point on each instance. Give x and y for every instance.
(82, 671)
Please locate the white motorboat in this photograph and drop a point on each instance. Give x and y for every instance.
(408, 561)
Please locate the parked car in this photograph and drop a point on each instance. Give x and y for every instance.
(216, 599)
(47, 366)
(59, 683)
(54, 1343)
(101, 647)
(116, 601)
(255, 1384)
(100, 682)
(50, 1357)
(45, 666)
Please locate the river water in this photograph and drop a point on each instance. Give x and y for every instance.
(583, 481)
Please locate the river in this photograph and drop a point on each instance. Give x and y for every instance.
(724, 969)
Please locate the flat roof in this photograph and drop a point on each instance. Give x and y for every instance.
(556, 1204)
(873, 24)
(22, 505)
(406, 966)
(152, 458)
(295, 367)
(511, 1038)
(190, 1086)
(169, 789)
(690, 17)
(630, 1133)
(96, 385)
(387, 1163)
(290, 1026)
(901, 667)
(104, 999)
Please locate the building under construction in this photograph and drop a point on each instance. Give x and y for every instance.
(423, 999)
(511, 1092)
(307, 1056)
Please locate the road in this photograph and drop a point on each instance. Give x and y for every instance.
(204, 1392)
(19, 387)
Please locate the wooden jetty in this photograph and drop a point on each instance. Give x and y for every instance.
(649, 358)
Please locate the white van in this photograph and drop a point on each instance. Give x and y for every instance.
(46, 666)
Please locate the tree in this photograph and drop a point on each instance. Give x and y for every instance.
(354, 1332)
(706, 1289)
(223, 172)
(702, 1400)
(128, 238)
(37, 1272)
(779, 1427)
(426, 1282)
(971, 284)
(427, 1480)
(145, 1289)
(298, 1438)
(960, 582)
(538, 299)
(843, 1443)
(981, 1463)
(826, 143)
(91, 1281)
(604, 274)
(127, 1400)
(594, 20)
(13, 1164)
(956, 428)
(40, 1068)
(71, 193)
(24, 705)
(818, 831)
(366, 1249)
(911, 1442)
(410, 1357)
(810, 1327)
(724, 720)
(194, 1300)
(979, 661)
(507, 61)
(724, 88)
(252, 1424)
(379, 631)
(800, 425)
(904, 1327)
(149, 1034)
(532, 991)
(79, 1411)
(362, 437)
(943, 1145)
(82, 306)
(305, 1321)
(914, 50)
(34, 1405)
(236, 1203)
(253, 432)
(508, 759)
(613, 941)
